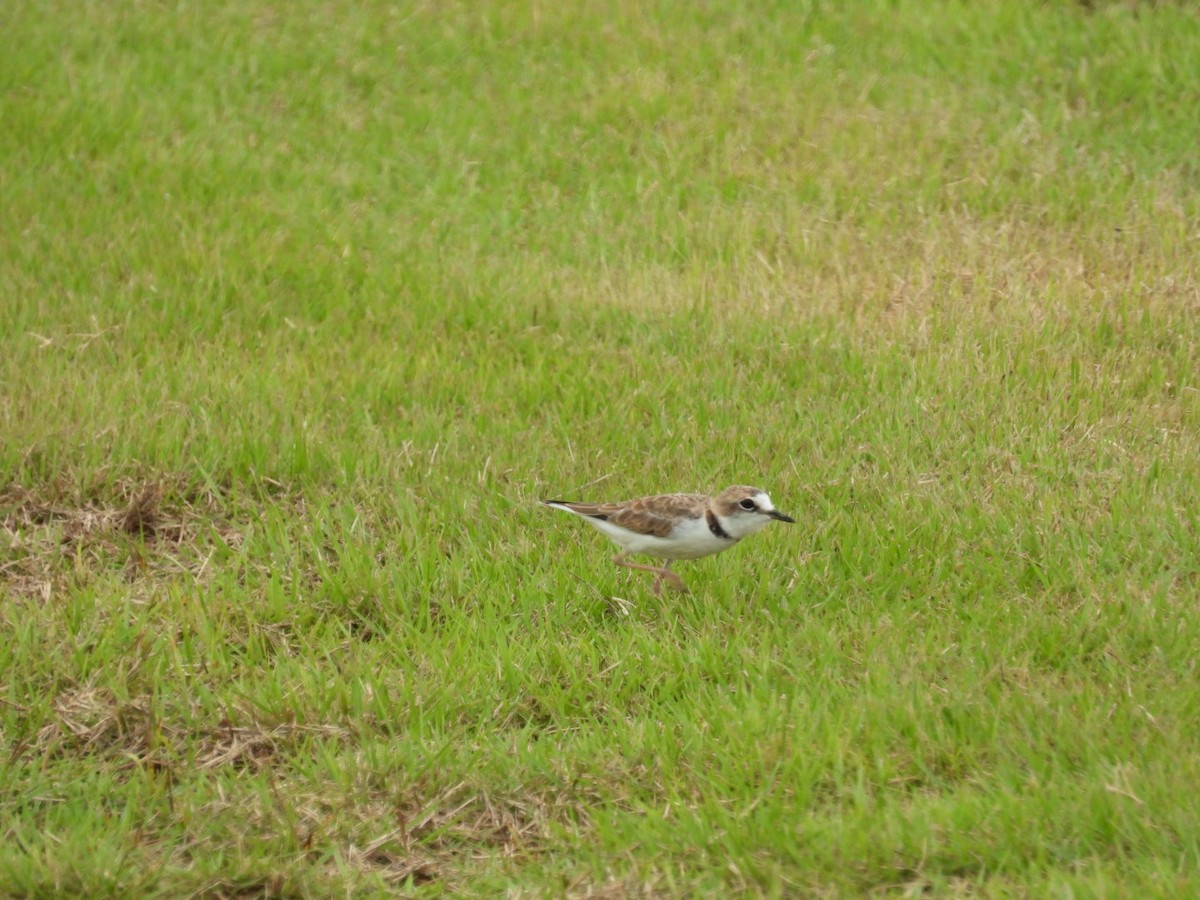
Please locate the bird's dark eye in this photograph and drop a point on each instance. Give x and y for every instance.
(748, 505)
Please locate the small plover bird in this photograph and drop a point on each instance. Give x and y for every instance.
(678, 526)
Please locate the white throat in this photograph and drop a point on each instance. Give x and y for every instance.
(741, 524)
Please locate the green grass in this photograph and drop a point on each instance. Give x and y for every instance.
(303, 306)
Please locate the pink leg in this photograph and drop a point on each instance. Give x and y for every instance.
(661, 571)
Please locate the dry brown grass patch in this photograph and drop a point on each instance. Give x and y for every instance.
(59, 534)
(89, 720)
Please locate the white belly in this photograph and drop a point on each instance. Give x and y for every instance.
(690, 540)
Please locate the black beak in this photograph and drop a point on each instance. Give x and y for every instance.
(776, 514)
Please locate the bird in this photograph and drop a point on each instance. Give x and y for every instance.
(678, 526)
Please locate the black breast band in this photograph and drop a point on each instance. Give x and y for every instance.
(714, 525)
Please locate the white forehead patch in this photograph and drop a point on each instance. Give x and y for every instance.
(763, 501)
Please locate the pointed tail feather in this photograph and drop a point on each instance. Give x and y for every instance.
(570, 506)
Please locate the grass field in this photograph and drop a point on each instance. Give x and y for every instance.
(303, 306)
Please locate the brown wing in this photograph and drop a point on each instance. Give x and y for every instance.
(647, 515)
